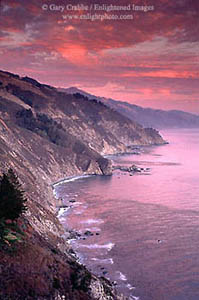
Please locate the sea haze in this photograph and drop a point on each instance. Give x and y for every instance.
(146, 226)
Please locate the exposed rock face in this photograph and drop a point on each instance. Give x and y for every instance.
(45, 136)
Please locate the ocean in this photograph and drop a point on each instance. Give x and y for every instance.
(142, 231)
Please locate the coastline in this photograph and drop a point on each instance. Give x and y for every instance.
(62, 207)
(73, 235)
(71, 178)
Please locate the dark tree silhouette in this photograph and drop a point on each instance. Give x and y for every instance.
(12, 200)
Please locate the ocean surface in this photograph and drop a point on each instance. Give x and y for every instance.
(145, 227)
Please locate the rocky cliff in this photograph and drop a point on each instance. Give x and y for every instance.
(46, 135)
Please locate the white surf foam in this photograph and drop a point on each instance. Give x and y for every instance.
(92, 221)
(69, 179)
(76, 203)
(55, 193)
(103, 261)
(122, 276)
(95, 229)
(130, 287)
(107, 246)
(134, 298)
(61, 211)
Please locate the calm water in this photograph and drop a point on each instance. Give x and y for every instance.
(147, 225)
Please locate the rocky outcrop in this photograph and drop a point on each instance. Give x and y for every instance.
(131, 169)
(46, 136)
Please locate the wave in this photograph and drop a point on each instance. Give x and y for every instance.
(107, 246)
(77, 203)
(134, 298)
(69, 179)
(95, 229)
(122, 276)
(92, 221)
(103, 261)
(62, 211)
(130, 287)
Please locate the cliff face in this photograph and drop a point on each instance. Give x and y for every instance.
(45, 136)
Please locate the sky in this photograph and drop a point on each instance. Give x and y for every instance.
(145, 52)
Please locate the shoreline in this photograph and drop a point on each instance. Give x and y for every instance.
(71, 178)
(71, 235)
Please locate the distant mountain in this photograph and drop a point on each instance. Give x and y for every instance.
(147, 117)
(155, 117)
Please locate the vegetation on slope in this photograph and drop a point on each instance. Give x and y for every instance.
(42, 125)
(12, 206)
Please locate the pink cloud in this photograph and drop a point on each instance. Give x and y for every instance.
(152, 58)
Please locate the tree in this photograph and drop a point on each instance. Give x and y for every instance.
(12, 200)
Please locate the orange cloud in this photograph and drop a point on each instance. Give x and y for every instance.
(161, 74)
(75, 53)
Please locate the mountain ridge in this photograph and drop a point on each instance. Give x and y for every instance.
(147, 117)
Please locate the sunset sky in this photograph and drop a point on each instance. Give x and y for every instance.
(146, 58)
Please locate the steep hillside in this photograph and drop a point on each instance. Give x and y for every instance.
(147, 117)
(46, 135)
(93, 123)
